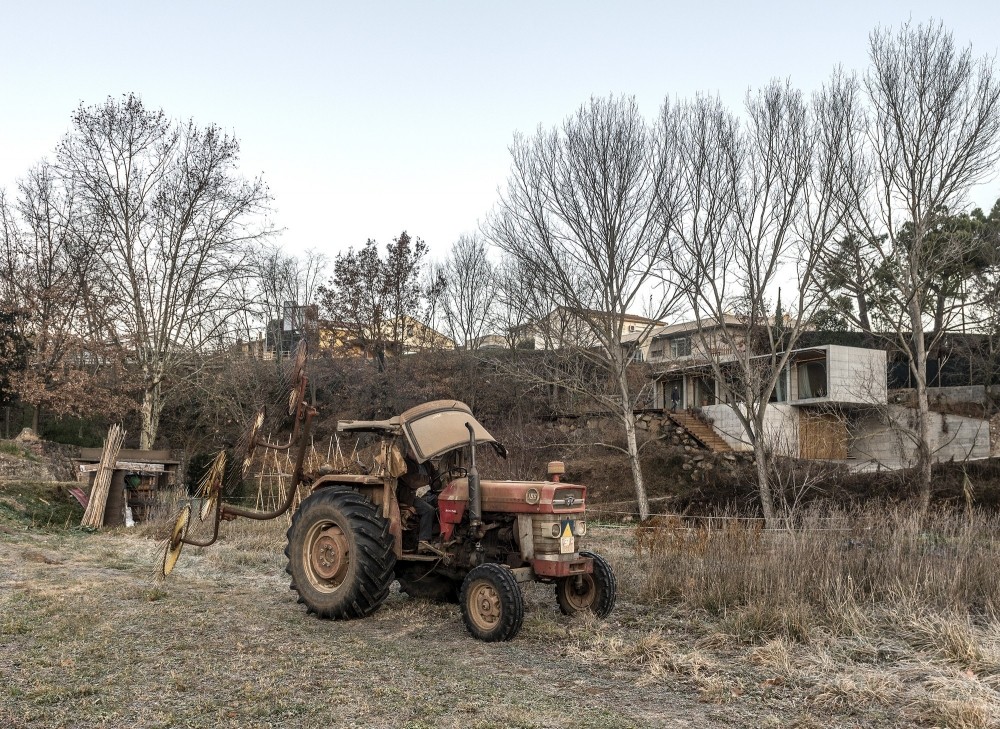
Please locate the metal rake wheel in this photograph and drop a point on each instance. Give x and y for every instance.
(176, 543)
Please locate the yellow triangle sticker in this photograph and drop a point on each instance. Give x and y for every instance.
(567, 532)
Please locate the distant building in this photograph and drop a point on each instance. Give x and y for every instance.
(690, 342)
(492, 341)
(339, 338)
(282, 335)
(566, 326)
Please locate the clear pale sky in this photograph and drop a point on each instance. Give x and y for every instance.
(370, 118)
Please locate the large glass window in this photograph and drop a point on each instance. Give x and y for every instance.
(812, 379)
(704, 391)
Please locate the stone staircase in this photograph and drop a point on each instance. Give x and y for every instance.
(700, 431)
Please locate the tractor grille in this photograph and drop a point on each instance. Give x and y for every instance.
(568, 498)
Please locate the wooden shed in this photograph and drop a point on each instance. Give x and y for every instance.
(137, 478)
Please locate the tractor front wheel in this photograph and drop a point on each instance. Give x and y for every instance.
(595, 592)
(492, 603)
(340, 554)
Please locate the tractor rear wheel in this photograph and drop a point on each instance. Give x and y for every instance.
(595, 592)
(492, 603)
(340, 554)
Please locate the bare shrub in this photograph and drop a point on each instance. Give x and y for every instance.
(850, 572)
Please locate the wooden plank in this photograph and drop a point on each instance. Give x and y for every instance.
(139, 466)
(126, 466)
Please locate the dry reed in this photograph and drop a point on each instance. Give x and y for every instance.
(94, 514)
(845, 571)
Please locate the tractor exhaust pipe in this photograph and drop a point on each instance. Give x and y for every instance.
(475, 494)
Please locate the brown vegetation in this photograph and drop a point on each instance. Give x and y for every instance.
(851, 619)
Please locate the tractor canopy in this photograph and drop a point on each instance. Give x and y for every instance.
(436, 427)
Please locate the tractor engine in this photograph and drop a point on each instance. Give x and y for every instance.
(527, 523)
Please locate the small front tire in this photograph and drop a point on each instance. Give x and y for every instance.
(492, 603)
(595, 592)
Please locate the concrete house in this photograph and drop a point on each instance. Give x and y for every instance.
(830, 403)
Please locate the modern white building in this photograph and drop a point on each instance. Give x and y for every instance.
(830, 403)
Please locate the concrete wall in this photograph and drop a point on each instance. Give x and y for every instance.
(882, 437)
(879, 437)
(780, 427)
(857, 375)
(937, 396)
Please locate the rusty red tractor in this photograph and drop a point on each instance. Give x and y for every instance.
(356, 533)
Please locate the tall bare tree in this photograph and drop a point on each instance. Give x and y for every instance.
(759, 207)
(517, 301)
(926, 128)
(579, 217)
(469, 292)
(173, 219)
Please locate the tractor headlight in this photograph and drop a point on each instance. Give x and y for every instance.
(580, 528)
(531, 496)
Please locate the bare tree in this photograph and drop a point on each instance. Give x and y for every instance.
(433, 287)
(926, 128)
(172, 220)
(759, 207)
(45, 268)
(579, 216)
(278, 281)
(520, 300)
(470, 291)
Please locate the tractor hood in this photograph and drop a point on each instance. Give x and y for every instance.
(436, 427)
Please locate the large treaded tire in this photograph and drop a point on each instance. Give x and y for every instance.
(595, 592)
(492, 603)
(340, 554)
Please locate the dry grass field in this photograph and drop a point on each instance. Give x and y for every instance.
(705, 634)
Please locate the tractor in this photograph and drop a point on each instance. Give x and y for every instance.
(356, 533)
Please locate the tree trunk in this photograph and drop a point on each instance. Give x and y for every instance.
(36, 416)
(763, 460)
(152, 407)
(866, 325)
(919, 370)
(632, 446)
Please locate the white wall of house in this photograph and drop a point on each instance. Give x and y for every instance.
(881, 437)
(857, 375)
(781, 427)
